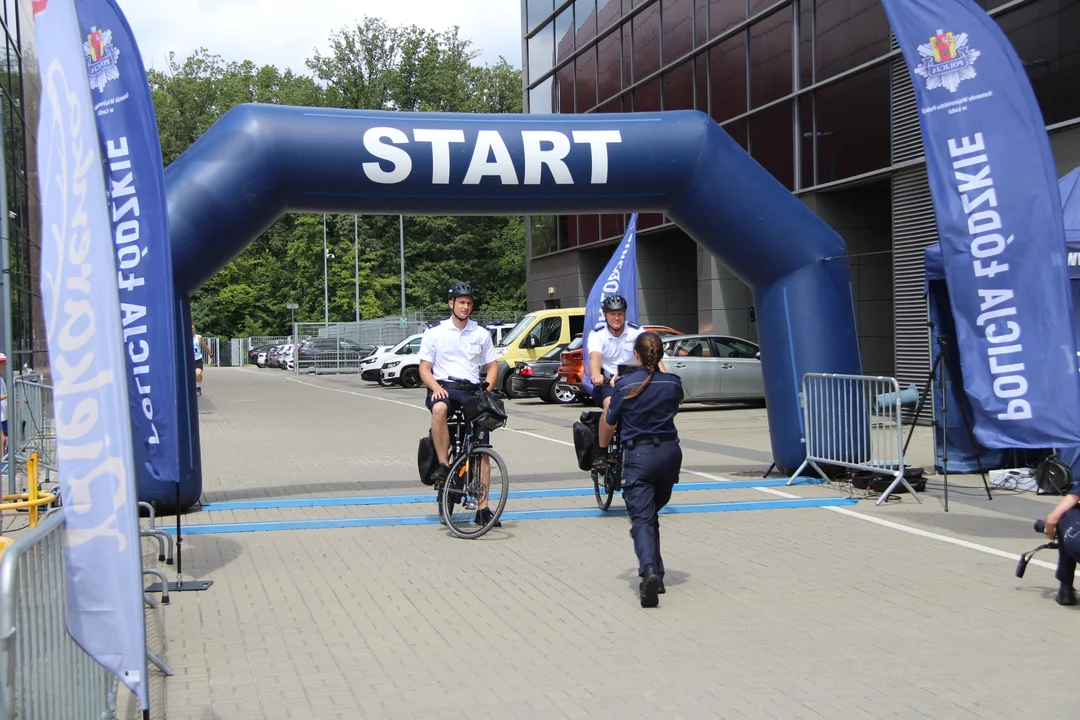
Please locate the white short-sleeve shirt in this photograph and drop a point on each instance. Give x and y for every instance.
(457, 353)
(614, 351)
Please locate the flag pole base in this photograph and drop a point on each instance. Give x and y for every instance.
(182, 586)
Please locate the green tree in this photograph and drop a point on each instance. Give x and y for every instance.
(370, 66)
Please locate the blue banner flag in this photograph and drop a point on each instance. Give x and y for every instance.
(102, 551)
(135, 183)
(618, 278)
(995, 194)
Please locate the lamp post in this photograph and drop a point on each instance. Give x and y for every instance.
(401, 219)
(356, 250)
(327, 255)
(291, 307)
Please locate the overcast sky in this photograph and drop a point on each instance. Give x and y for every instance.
(279, 32)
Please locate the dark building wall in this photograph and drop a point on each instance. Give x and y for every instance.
(862, 216)
(1066, 148)
(667, 280)
(724, 303)
(20, 92)
(773, 75)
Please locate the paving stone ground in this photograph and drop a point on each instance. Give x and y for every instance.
(898, 611)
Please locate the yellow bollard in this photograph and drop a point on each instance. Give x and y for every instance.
(32, 487)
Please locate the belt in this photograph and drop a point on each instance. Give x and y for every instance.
(655, 441)
(459, 385)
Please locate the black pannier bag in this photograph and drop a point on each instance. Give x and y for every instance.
(426, 459)
(586, 439)
(486, 410)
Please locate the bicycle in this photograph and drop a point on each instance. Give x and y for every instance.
(468, 482)
(606, 484)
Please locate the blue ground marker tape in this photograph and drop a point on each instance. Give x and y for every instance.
(510, 515)
(349, 500)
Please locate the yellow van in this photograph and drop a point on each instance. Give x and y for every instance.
(534, 336)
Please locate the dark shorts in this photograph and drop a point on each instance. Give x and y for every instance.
(3, 426)
(601, 392)
(457, 401)
(198, 364)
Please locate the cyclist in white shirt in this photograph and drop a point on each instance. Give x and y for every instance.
(611, 344)
(451, 353)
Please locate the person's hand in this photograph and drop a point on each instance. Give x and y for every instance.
(439, 393)
(613, 378)
(597, 379)
(1051, 526)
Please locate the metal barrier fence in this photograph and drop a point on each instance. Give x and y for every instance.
(262, 340)
(31, 425)
(45, 675)
(215, 352)
(237, 353)
(854, 421)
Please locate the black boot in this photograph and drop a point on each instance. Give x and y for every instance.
(483, 517)
(1066, 595)
(651, 582)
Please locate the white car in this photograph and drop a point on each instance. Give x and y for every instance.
(403, 370)
(371, 366)
(499, 331)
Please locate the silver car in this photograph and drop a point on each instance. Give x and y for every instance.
(715, 368)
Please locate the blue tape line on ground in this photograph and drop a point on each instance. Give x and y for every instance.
(389, 521)
(350, 500)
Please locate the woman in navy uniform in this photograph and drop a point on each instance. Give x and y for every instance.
(645, 403)
(1063, 524)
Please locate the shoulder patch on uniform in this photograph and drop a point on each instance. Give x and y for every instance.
(437, 323)
(600, 326)
(633, 325)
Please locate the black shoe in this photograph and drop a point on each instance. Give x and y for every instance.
(483, 517)
(438, 475)
(651, 583)
(661, 590)
(1066, 595)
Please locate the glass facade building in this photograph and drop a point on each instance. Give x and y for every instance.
(814, 91)
(20, 91)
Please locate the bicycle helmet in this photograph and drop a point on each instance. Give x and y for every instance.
(460, 289)
(613, 302)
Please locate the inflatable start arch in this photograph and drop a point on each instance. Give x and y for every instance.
(260, 161)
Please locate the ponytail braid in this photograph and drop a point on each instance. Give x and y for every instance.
(650, 349)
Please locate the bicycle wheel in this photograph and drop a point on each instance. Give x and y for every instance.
(602, 488)
(475, 480)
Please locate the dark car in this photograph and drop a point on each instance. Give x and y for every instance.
(311, 348)
(539, 378)
(253, 353)
(273, 356)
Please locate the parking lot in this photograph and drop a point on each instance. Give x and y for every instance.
(327, 605)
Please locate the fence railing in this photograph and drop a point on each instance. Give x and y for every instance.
(45, 675)
(854, 421)
(31, 425)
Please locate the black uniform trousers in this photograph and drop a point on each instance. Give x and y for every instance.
(1068, 540)
(650, 471)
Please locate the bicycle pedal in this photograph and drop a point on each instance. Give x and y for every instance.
(469, 505)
